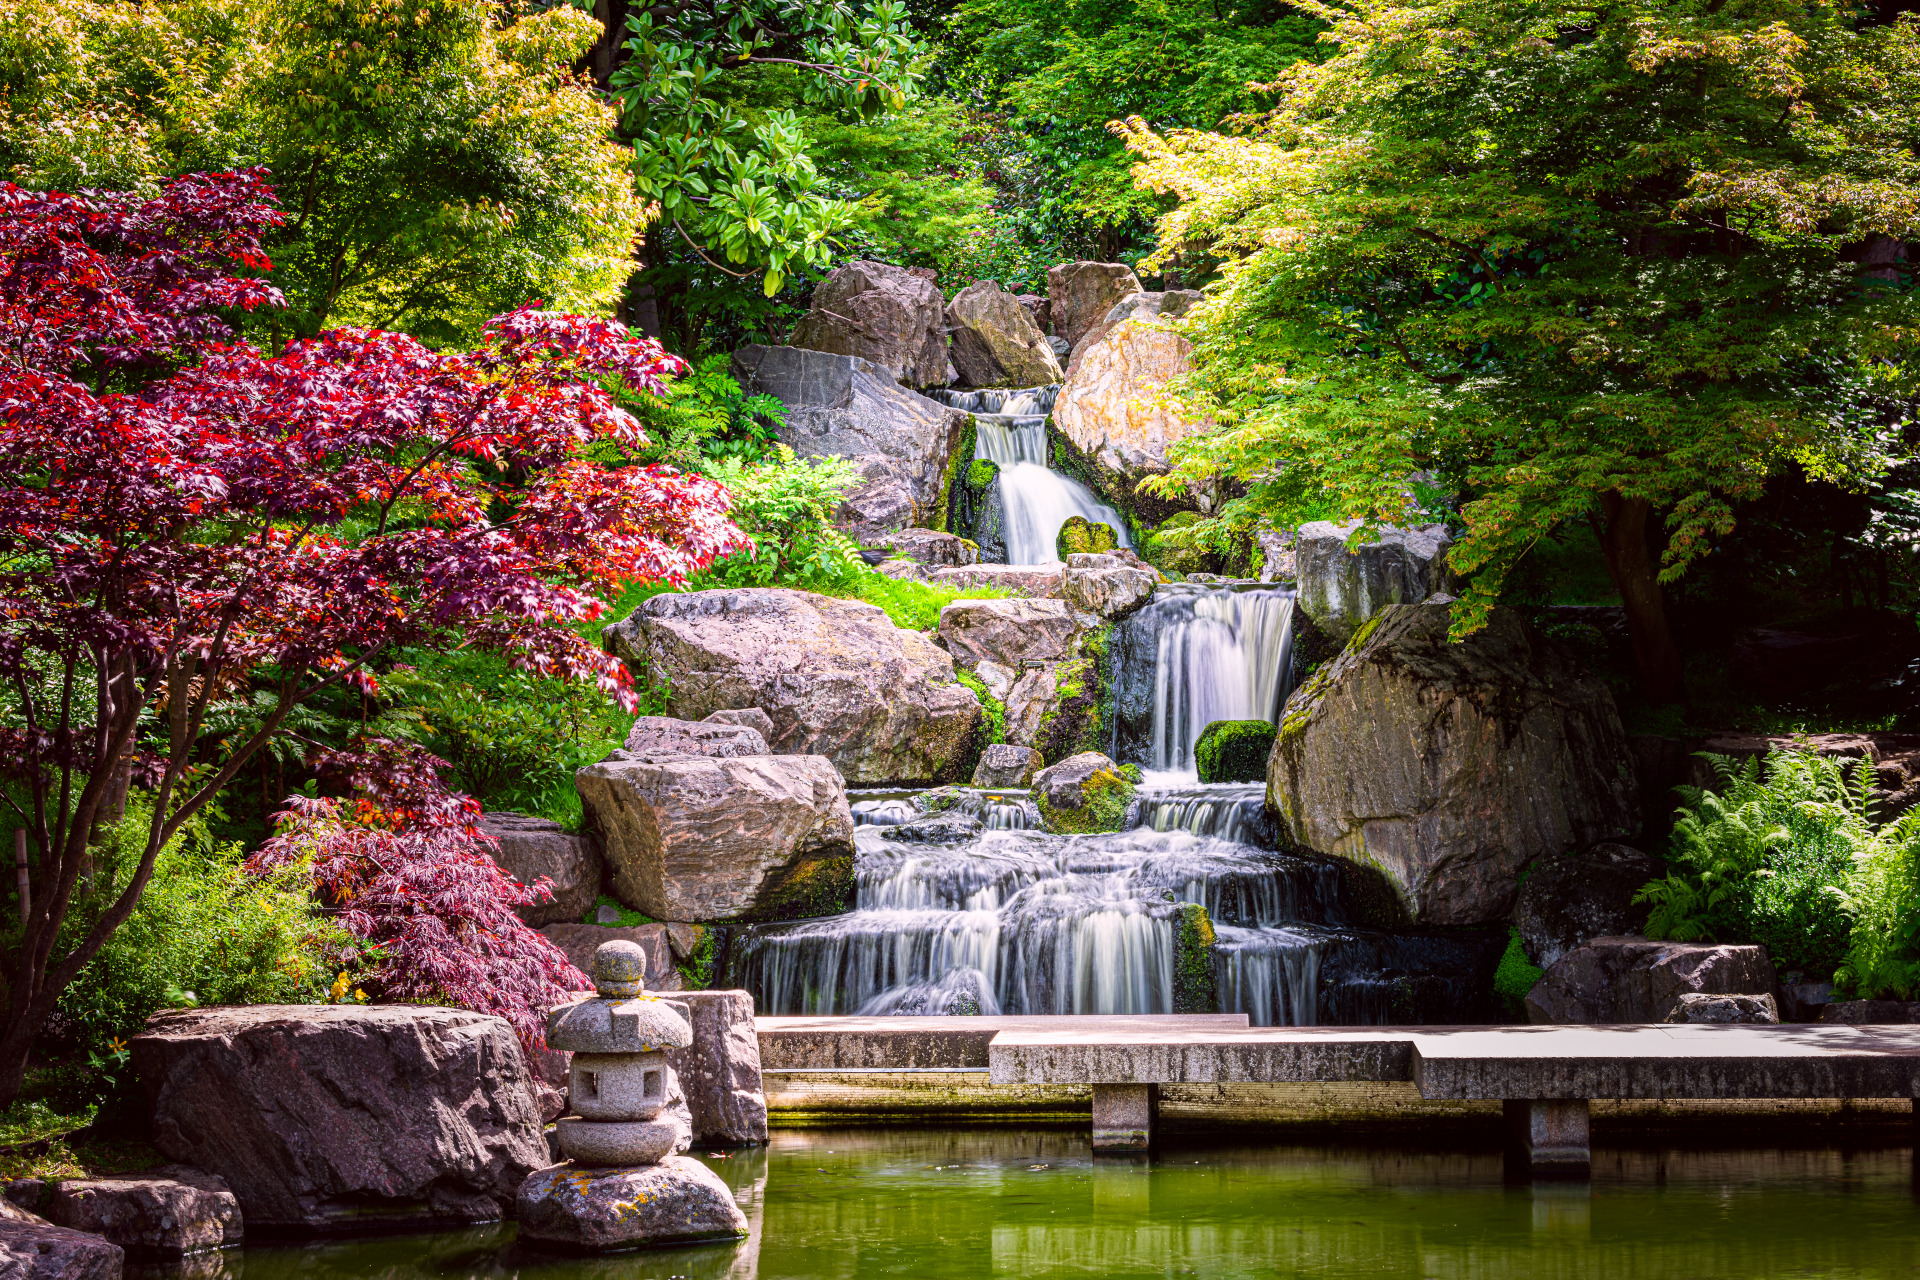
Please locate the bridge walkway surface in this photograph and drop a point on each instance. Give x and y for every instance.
(1546, 1077)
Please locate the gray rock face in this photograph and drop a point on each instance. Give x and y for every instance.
(1639, 980)
(1147, 306)
(1699, 1007)
(1870, 1013)
(1005, 764)
(1037, 307)
(1010, 632)
(836, 677)
(752, 717)
(340, 1117)
(35, 1250)
(580, 941)
(1111, 590)
(720, 1072)
(884, 314)
(665, 736)
(995, 341)
(931, 547)
(1568, 900)
(1341, 589)
(1036, 581)
(881, 505)
(1275, 547)
(678, 1201)
(1079, 295)
(941, 828)
(1449, 767)
(534, 847)
(168, 1213)
(750, 837)
(846, 406)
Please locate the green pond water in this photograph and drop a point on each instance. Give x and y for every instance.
(998, 1202)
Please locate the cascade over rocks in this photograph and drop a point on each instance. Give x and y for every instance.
(534, 847)
(995, 341)
(745, 837)
(1340, 589)
(885, 314)
(1450, 767)
(1112, 408)
(1639, 980)
(1079, 295)
(846, 406)
(836, 677)
(1569, 900)
(345, 1117)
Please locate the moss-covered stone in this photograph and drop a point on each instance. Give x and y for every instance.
(1233, 751)
(1080, 534)
(954, 477)
(1195, 987)
(811, 887)
(982, 472)
(1084, 794)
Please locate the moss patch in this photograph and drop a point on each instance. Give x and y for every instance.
(944, 518)
(1515, 976)
(1080, 534)
(811, 887)
(1195, 988)
(697, 969)
(982, 472)
(1233, 751)
(1104, 798)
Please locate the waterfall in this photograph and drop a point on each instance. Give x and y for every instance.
(1222, 655)
(1010, 430)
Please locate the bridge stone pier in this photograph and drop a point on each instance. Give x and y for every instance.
(1546, 1077)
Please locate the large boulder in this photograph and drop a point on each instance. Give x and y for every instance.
(1639, 980)
(720, 1070)
(1106, 585)
(1086, 792)
(931, 547)
(743, 838)
(33, 1249)
(1079, 295)
(1571, 899)
(846, 406)
(1145, 306)
(885, 314)
(533, 847)
(345, 1117)
(665, 736)
(1114, 407)
(881, 505)
(1450, 767)
(836, 676)
(995, 341)
(1010, 632)
(1340, 589)
(168, 1213)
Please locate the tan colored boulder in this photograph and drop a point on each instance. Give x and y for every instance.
(1037, 581)
(742, 838)
(931, 547)
(884, 314)
(1142, 306)
(995, 341)
(1013, 633)
(1114, 407)
(665, 736)
(1450, 767)
(836, 677)
(1079, 295)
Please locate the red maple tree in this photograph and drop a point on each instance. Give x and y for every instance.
(187, 522)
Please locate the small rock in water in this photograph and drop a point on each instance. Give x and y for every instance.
(678, 1201)
(1700, 1007)
(947, 828)
(1006, 764)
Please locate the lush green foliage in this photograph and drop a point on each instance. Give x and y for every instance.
(437, 160)
(1233, 751)
(1516, 975)
(706, 416)
(205, 932)
(1767, 858)
(996, 710)
(1610, 262)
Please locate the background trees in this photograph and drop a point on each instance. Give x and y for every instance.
(1620, 267)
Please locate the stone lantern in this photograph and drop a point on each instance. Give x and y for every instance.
(622, 1187)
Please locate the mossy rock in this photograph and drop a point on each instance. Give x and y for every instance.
(1234, 751)
(1195, 987)
(981, 473)
(1080, 534)
(812, 887)
(1085, 794)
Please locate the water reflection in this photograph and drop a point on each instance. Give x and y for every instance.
(1018, 1203)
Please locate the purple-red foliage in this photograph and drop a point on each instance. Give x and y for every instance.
(407, 868)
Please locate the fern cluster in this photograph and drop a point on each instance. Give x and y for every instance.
(1785, 853)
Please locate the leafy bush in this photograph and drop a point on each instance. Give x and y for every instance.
(705, 416)
(786, 504)
(1233, 751)
(1768, 859)
(207, 931)
(996, 710)
(1883, 897)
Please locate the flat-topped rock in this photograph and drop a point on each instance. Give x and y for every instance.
(663, 735)
(34, 1250)
(1628, 979)
(533, 847)
(678, 1201)
(168, 1213)
(1040, 581)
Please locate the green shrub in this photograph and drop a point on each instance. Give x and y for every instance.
(1516, 976)
(1768, 859)
(205, 932)
(1233, 751)
(1883, 898)
(787, 504)
(705, 416)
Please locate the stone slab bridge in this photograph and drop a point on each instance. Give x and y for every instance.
(1547, 1077)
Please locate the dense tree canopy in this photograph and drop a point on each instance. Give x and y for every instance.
(1608, 265)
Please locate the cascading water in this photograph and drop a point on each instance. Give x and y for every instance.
(1010, 430)
(1222, 655)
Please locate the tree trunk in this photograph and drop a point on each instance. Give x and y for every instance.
(1623, 536)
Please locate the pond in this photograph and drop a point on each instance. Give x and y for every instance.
(935, 1203)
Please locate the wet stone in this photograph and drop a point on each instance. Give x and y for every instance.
(678, 1201)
